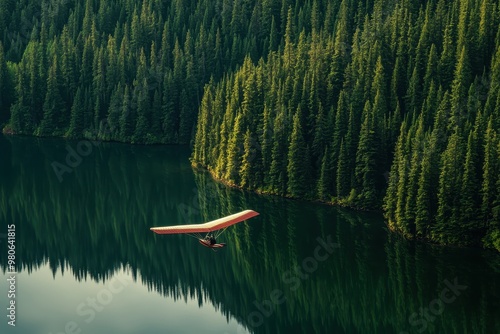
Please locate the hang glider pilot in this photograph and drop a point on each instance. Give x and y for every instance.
(210, 237)
(209, 240)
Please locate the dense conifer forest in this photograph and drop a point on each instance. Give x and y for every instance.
(372, 104)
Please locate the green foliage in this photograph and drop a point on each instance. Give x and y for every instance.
(3, 86)
(53, 106)
(297, 167)
(391, 91)
(447, 218)
(326, 177)
(76, 118)
(231, 82)
(164, 54)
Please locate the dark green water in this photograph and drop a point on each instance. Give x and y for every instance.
(87, 262)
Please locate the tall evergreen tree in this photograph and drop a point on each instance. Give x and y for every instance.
(76, 123)
(343, 176)
(125, 122)
(326, 177)
(20, 120)
(297, 169)
(469, 192)
(450, 183)
(278, 169)
(142, 127)
(426, 199)
(53, 106)
(459, 90)
(114, 113)
(247, 169)
(234, 150)
(490, 173)
(366, 166)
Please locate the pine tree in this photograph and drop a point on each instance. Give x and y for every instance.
(413, 103)
(297, 170)
(20, 119)
(247, 169)
(326, 177)
(459, 90)
(203, 127)
(185, 118)
(430, 105)
(426, 199)
(266, 140)
(170, 120)
(320, 136)
(469, 193)
(413, 175)
(235, 150)
(395, 200)
(366, 160)
(450, 182)
(289, 55)
(114, 112)
(142, 127)
(278, 169)
(343, 176)
(493, 235)
(397, 88)
(340, 56)
(68, 68)
(53, 106)
(36, 81)
(99, 87)
(112, 70)
(431, 72)
(126, 116)
(490, 172)
(156, 115)
(446, 62)
(463, 27)
(486, 32)
(86, 65)
(76, 119)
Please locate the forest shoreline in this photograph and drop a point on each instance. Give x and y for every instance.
(369, 105)
(391, 226)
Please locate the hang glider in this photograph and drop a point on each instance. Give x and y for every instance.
(218, 226)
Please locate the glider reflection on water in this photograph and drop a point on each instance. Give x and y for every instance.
(218, 225)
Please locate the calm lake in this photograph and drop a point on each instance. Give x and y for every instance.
(87, 262)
